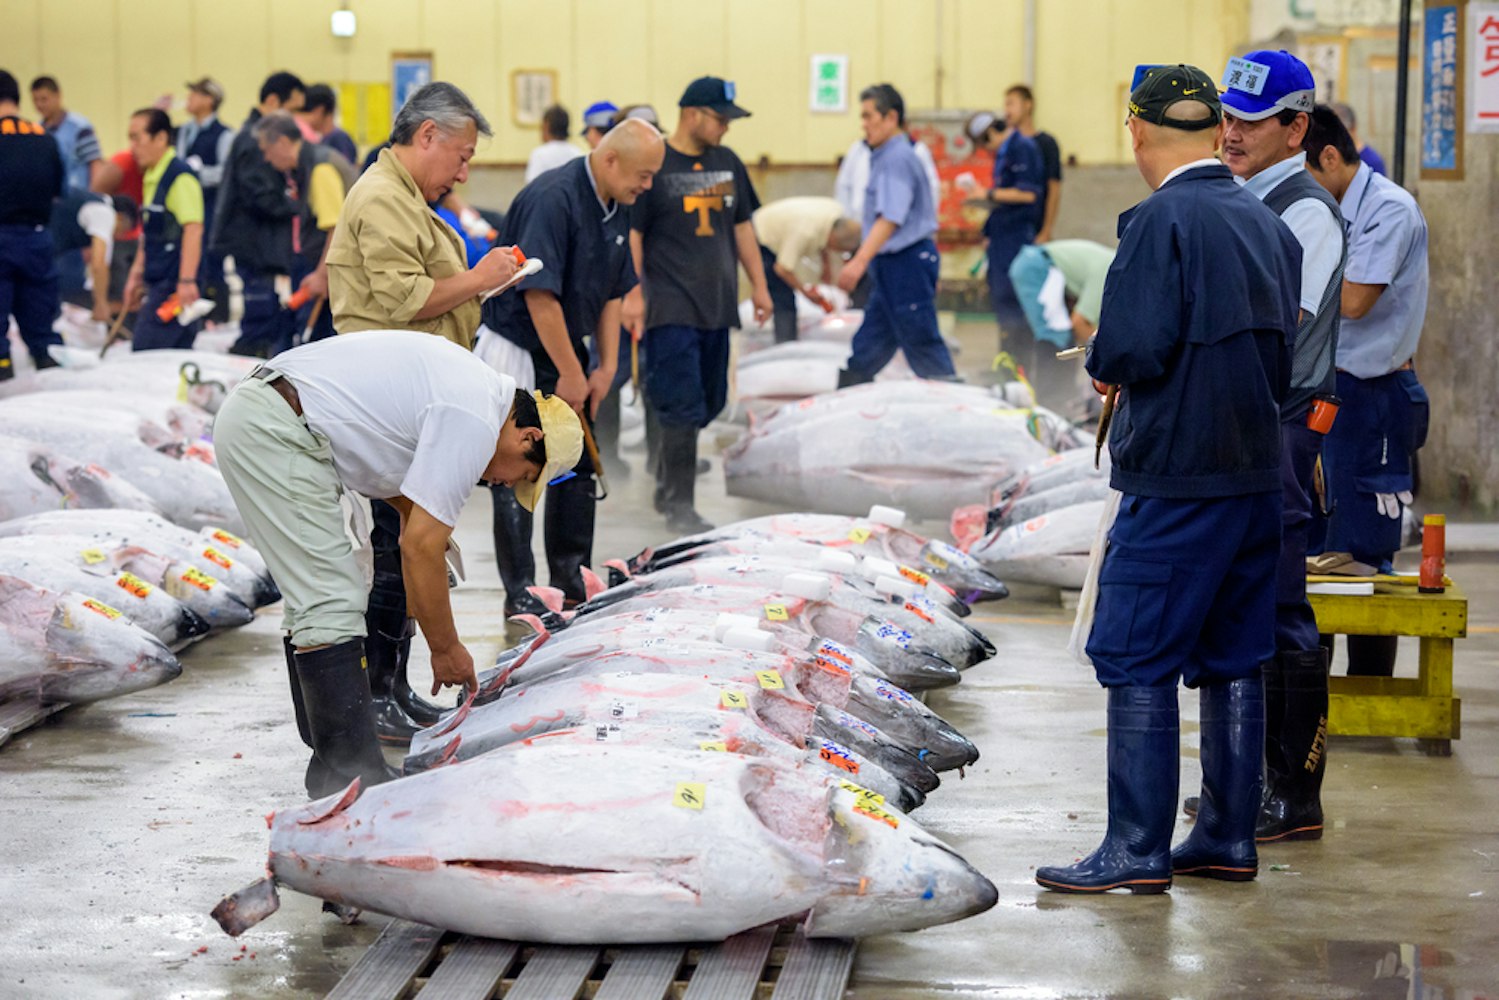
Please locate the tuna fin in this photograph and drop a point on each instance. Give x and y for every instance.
(316, 812)
(550, 596)
(244, 909)
(968, 524)
(592, 585)
(622, 568)
(537, 625)
(456, 719)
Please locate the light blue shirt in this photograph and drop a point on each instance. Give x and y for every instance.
(79, 147)
(1315, 226)
(1386, 246)
(898, 191)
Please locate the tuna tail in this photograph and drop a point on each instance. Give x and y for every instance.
(592, 585)
(549, 596)
(619, 572)
(239, 912)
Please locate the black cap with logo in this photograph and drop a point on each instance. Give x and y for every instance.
(713, 93)
(1158, 89)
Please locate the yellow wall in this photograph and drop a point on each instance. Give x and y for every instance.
(113, 56)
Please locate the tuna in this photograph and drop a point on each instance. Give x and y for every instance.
(557, 843)
(914, 555)
(220, 554)
(874, 579)
(866, 624)
(1051, 549)
(172, 428)
(189, 493)
(61, 647)
(205, 596)
(39, 561)
(614, 704)
(199, 378)
(875, 700)
(924, 458)
(35, 478)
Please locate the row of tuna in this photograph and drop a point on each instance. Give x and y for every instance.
(725, 737)
(923, 446)
(119, 542)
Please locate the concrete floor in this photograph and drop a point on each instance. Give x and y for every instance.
(123, 823)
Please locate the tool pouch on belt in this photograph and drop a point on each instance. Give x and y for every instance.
(1323, 412)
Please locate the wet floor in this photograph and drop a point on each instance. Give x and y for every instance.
(123, 823)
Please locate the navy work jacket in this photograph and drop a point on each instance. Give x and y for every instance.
(1199, 315)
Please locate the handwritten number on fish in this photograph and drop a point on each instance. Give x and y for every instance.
(689, 795)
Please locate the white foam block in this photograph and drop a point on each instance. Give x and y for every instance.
(1349, 589)
(892, 516)
(874, 567)
(751, 639)
(726, 621)
(812, 586)
(836, 561)
(894, 586)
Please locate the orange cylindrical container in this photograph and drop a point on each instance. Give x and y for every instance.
(1433, 554)
(1323, 412)
(168, 310)
(299, 299)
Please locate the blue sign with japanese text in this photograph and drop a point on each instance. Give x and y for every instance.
(1439, 122)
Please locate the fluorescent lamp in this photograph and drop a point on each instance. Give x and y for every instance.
(343, 24)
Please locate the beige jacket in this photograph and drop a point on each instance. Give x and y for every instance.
(387, 250)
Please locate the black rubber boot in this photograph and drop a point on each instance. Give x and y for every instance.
(1143, 761)
(340, 718)
(512, 552)
(387, 650)
(1221, 844)
(606, 426)
(1372, 655)
(848, 378)
(1291, 808)
(317, 774)
(678, 480)
(569, 532)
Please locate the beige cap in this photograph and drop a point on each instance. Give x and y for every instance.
(209, 86)
(564, 443)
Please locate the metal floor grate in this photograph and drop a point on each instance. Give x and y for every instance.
(411, 960)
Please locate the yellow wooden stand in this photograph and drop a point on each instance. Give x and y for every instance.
(1423, 708)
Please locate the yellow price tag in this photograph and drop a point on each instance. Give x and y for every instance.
(874, 812)
(101, 608)
(689, 795)
(182, 387)
(714, 746)
(733, 699)
(224, 538)
(864, 794)
(198, 578)
(770, 680)
(92, 556)
(776, 613)
(934, 560)
(859, 535)
(133, 585)
(916, 576)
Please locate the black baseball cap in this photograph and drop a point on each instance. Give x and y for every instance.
(712, 93)
(1158, 89)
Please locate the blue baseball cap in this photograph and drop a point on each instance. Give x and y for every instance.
(1264, 83)
(600, 115)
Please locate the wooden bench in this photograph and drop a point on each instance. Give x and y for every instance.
(411, 961)
(1421, 708)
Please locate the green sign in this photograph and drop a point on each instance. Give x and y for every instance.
(829, 90)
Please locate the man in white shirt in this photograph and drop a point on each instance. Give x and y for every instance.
(394, 415)
(555, 148)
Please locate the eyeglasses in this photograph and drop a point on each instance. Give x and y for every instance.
(721, 119)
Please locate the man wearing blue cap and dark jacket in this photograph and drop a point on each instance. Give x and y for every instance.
(1267, 98)
(1199, 311)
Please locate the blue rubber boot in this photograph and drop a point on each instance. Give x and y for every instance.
(1221, 845)
(1143, 759)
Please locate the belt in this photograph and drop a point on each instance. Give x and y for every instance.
(282, 385)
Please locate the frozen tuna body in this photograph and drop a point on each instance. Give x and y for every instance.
(564, 844)
(35, 478)
(924, 459)
(61, 647)
(143, 603)
(189, 492)
(1051, 549)
(945, 564)
(214, 551)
